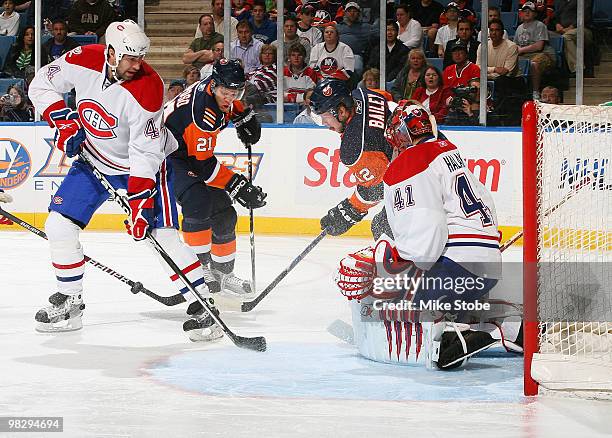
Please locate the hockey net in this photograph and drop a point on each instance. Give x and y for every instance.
(567, 188)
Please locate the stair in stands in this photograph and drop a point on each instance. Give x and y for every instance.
(598, 89)
(171, 26)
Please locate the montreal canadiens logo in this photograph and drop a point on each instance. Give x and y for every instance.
(329, 65)
(97, 121)
(15, 163)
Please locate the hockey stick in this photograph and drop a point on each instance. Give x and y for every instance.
(257, 343)
(250, 305)
(251, 218)
(548, 212)
(136, 286)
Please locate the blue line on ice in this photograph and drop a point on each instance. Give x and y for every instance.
(336, 371)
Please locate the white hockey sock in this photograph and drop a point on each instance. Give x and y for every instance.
(185, 259)
(66, 253)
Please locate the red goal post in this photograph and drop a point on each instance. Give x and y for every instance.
(567, 248)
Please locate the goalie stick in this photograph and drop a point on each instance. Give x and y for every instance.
(256, 343)
(250, 305)
(136, 286)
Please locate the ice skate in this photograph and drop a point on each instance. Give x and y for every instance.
(64, 314)
(233, 285)
(214, 286)
(201, 327)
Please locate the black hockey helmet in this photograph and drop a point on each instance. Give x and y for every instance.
(229, 74)
(328, 94)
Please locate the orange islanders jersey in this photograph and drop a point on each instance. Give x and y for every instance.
(364, 149)
(195, 120)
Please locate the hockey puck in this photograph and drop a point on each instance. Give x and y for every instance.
(137, 287)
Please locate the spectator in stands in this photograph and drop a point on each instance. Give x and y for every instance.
(332, 58)
(327, 12)
(465, 11)
(465, 33)
(371, 81)
(298, 76)
(545, 10)
(291, 38)
(357, 35)
(241, 10)
(460, 73)
(23, 5)
(409, 77)
(305, 117)
(433, 94)
(246, 48)
(565, 21)
(217, 50)
(550, 94)
(532, 38)
(305, 27)
(91, 17)
(396, 53)
(263, 28)
(199, 52)
(261, 82)
(448, 31)
(427, 12)
(51, 10)
(20, 60)
(494, 14)
(410, 30)
(191, 75)
(174, 89)
(502, 57)
(465, 111)
(9, 19)
(55, 47)
(217, 13)
(14, 106)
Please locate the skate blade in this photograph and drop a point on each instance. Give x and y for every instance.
(204, 335)
(70, 325)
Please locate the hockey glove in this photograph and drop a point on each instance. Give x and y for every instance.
(5, 197)
(70, 134)
(248, 127)
(245, 193)
(140, 197)
(341, 218)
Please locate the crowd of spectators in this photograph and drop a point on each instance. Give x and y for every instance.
(432, 55)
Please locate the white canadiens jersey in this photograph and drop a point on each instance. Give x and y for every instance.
(436, 207)
(122, 120)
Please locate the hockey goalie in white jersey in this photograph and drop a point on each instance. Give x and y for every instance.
(414, 293)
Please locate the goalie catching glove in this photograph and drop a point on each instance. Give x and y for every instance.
(357, 274)
(248, 127)
(341, 218)
(246, 194)
(140, 197)
(5, 197)
(70, 134)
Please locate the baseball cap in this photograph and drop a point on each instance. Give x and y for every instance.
(305, 8)
(459, 45)
(177, 82)
(352, 5)
(451, 5)
(528, 5)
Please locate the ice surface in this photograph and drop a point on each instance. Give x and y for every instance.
(131, 371)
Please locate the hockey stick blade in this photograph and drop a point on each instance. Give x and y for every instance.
(250, 305)
(257, 343)
(135, 286)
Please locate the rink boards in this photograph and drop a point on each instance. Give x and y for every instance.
(298, 167)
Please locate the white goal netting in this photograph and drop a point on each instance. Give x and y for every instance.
(574, 220)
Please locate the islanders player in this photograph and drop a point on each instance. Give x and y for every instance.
(118, 125)
(360, 118)
(204, 187)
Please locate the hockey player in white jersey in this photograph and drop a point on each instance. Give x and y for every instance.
(118, 125)
(446, 242)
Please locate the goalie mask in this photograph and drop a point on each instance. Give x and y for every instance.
(409, 122)
(125, 38)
